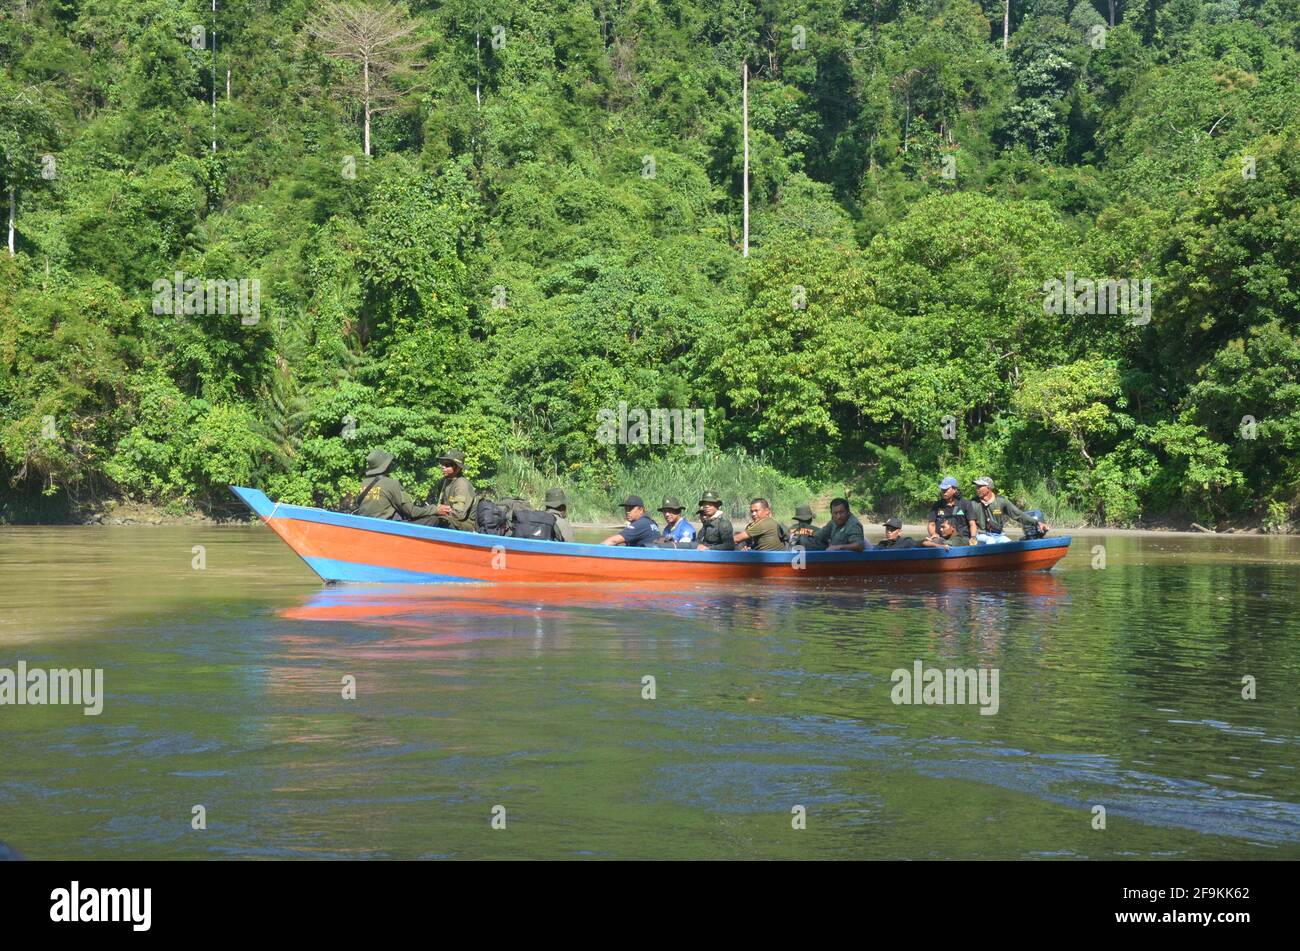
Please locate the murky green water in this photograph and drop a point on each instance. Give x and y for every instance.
(1119, 687)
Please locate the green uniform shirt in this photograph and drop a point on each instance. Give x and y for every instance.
(764, 534)
(562, 526)
(459, 495)
(846, 534)
(387, 500)
(992, 517)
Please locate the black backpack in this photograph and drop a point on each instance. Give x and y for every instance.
(495, 518)
(530, 523)
(492, 518)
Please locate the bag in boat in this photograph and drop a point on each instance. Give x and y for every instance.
(530, 523)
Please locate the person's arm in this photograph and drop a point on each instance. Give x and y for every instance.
(402, 504)
(1018, 514)
(972, 522)
(615, 539)
(739, 537)
(564, 529)
(932, 526)
(934, 541)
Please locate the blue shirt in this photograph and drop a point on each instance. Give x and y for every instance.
(640, 533)
(682, 533)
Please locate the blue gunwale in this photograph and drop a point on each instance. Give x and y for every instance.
(265, 508)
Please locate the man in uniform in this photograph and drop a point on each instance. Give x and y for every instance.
(382, 496)
(843, 532)
(762, 533)
(947, 537)
(640, 531)
(454, 496)
(557, 504)
(802, 533)
(716, 533)
(677, 531)
(951, 508)
(894, 535)
(991, 511)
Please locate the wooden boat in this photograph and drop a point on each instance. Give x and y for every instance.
(342, 547)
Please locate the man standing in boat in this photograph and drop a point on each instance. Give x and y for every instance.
(454, 496)
(383, 497)
(716, 533)
(640, 531)
(954, 510)
(991, 511)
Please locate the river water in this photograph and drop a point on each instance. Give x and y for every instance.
(519, 723)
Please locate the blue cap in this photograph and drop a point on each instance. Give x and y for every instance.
(948, 483)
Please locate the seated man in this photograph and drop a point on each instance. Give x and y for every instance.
(991, 511)
(640, 531)
(677, 531)
(802, 533)
(894, 537)
(382, 496)
(951, 508)
(716, 533)
(454, 497)
(947, 537)
(762, 533)
(843, 532)
(557, 504)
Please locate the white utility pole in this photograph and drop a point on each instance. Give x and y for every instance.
(744, 72)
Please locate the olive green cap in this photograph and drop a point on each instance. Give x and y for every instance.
(803, 513)
(672, 504)
(711, 497)
(455, 458)
(377, 462)
(556, 498)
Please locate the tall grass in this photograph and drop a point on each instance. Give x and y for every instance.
(735, 475)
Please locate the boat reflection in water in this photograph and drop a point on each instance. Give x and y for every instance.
(420, 618)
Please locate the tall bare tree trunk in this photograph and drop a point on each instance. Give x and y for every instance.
(1112, 14)
(13, 207)
(366, 68)
(744, 71)
(1006, 22)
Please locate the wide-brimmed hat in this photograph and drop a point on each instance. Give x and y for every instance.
(712, 498)
(631, 502)
(672, 504)
(803, 513)
(555, 498)
(454, 458)
(377, 462)
(892, 523)
(984, 480)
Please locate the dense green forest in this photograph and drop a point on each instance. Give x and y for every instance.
(478, 224)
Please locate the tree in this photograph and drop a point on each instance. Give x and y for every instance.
(377, 40)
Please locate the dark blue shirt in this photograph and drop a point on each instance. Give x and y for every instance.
(640, 533)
